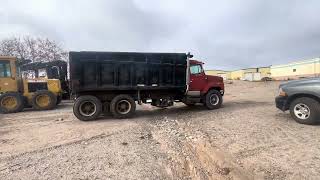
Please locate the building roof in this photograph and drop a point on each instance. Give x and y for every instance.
(309, 61)
(217, 70)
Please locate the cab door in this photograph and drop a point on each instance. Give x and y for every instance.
(7, 76)
(197, 78)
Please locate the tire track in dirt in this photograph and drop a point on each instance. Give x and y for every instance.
(190, 155)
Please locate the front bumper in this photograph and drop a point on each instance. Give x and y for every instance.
(281, 103)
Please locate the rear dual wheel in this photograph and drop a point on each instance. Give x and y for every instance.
(87, 108)
(122, 106)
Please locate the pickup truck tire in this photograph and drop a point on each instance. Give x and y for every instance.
(87, 108)
(44, 100)
(305, 110)
(11, 103)
(122, 106)
(213, 100)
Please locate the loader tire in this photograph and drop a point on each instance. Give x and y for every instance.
(43, 100)
(11, 103)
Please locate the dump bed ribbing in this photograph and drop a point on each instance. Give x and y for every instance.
(101, 71)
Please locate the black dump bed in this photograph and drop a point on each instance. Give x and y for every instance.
(103, 71)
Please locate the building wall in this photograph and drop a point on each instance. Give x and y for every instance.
(214, 72)
(296, 70)
(251, 70)
(265, 72)
(237, 75)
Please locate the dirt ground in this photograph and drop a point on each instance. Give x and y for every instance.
(246, 139)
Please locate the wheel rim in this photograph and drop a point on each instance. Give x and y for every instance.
(123, 107)
(9, 102)
(43, 100)
(302, 111)
(214, 99)
(87, 108)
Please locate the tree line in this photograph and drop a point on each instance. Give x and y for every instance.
(32, 49)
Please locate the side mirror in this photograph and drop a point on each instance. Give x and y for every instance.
(190, 55)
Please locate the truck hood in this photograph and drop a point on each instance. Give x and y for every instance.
(300, 82)
(214, 78)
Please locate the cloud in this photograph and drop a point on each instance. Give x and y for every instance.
(225, 34)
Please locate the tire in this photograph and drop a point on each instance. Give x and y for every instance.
(87, 108)
(305, 110)
(213, 100)
(43, 100)
(6, 101)
(129, 106)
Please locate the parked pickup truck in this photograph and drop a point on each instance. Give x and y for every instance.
(302, 98)
(115, 81)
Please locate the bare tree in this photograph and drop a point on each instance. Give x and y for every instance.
(35, 49)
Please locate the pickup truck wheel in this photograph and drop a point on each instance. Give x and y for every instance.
(213, 99)
(87, 108)
(11, 103)
(122, 106)
(305, 110)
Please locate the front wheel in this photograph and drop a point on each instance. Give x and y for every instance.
(213, 99)
(122, 106)
(11, 103)
(87, 108)
(305, 110)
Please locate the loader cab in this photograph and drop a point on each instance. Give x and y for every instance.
(57, 69)
(8, 75)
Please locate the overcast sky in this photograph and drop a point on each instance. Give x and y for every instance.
(228, 34)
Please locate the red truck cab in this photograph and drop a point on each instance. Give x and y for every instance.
(203, 88)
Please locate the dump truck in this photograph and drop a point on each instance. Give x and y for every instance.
(113, 82)
(16, 92)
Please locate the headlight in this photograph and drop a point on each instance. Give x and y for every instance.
(282, 93)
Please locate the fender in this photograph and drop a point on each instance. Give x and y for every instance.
(213, 82)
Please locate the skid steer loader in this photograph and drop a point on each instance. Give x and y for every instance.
(16, 92)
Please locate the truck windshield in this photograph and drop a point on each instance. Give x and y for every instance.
(195, 69)
(5, 70)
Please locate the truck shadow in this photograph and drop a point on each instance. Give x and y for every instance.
(182, 110)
